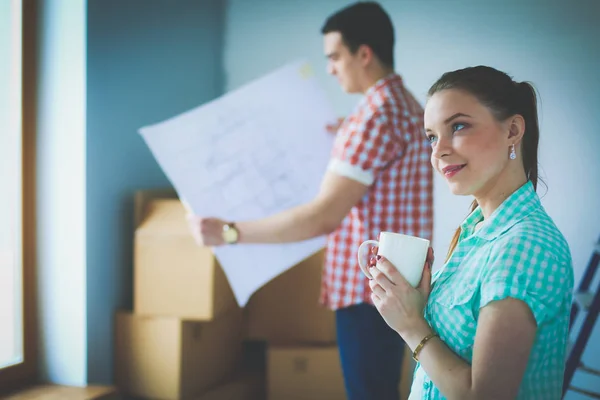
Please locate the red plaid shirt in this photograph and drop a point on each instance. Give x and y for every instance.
(383, 145)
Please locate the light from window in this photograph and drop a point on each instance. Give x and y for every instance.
(11, 270)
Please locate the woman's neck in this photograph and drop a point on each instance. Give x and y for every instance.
(497, 190)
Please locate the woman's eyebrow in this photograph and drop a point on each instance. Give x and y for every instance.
(457, 115)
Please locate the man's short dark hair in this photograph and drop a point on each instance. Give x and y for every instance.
(364, 23)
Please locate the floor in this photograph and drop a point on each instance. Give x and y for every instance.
(51, 392)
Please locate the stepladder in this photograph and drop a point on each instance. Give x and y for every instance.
(586, 305)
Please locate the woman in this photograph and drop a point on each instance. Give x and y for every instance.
(492, 323)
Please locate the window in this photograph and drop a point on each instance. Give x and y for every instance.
(16, 314)
(11, 277)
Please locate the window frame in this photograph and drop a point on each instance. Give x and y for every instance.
(25, 372)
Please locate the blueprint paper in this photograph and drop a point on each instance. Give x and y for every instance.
(253, 152)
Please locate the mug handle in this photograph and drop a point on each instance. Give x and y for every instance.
(361, 257)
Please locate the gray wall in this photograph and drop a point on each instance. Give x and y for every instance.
(147, 60)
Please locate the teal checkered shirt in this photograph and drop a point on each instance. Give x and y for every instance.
(518, 252)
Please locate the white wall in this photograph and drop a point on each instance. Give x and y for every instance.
(61, 235)
(552, 43)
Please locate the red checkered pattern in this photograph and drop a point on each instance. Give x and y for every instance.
(383, 143)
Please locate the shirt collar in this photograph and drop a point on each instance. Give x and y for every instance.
(517, 206)
(383, 82)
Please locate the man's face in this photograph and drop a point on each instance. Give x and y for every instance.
(341, 62)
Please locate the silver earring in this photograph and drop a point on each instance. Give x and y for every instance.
(513, 155)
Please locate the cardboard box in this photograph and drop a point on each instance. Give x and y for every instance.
(287, 309)
(249, 386)
(168, 358)
(304, 373)
(173, 276)
(142, 198)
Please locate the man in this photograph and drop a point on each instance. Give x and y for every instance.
(379, 179)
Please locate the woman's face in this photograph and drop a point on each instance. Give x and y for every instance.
(470, 147)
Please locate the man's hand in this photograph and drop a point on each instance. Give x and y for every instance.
(334, 127)
(207, 231)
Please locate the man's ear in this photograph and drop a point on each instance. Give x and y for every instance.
(516, 129)
(365, 54)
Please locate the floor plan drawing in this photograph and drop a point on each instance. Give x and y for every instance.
(253, 152)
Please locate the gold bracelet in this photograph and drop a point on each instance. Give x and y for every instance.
(420, 345)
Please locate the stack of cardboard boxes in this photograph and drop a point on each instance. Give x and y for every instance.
(302, 359)
(186, 334)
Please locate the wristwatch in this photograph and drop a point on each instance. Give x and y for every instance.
(230, 233)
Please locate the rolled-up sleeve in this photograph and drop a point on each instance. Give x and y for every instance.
(526, 271)
(367, 147)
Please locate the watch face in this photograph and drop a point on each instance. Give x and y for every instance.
(230, 235)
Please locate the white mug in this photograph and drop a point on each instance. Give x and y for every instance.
(406, 253)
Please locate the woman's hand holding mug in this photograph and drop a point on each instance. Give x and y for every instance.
(400, 285)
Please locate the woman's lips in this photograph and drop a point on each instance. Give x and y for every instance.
(451, 170)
